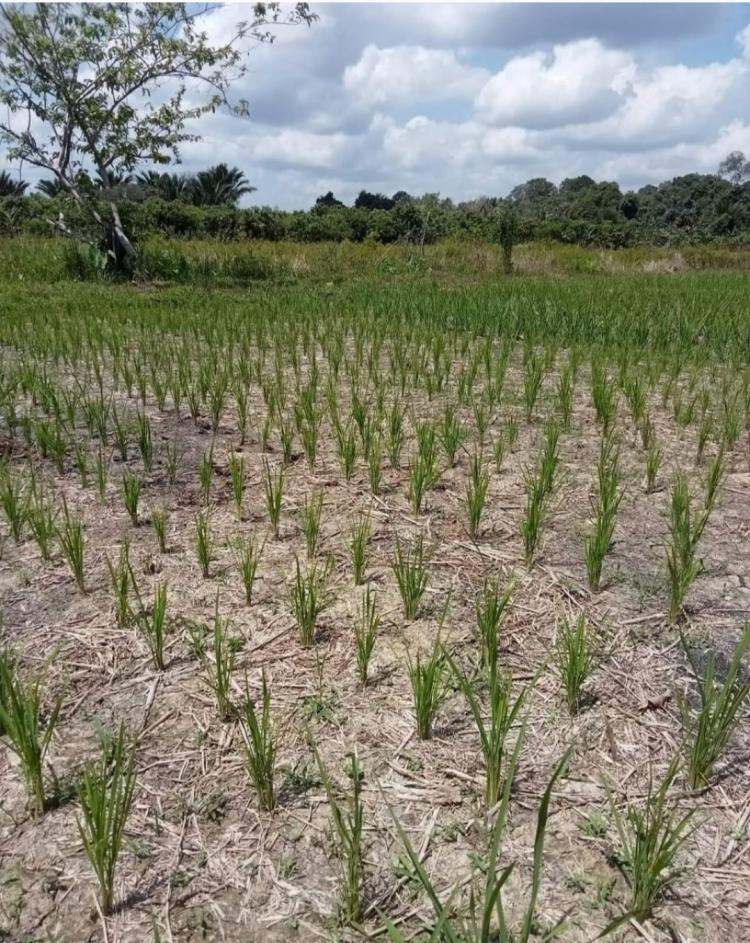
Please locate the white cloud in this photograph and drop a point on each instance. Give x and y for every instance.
(664, 163)
(409, 74)
(301, 148)
(743, 38)
(666, 105)
(674, 99)
(422, 142)
(509, 144)
(579, 81)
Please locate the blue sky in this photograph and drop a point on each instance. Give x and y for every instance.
(472, 99)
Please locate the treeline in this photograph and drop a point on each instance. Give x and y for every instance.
(692, 209)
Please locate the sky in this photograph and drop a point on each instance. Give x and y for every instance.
(472, 99)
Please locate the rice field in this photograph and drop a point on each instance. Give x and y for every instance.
(406, 605)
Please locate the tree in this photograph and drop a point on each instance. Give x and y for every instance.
(105, 85)
(50, 187)
(10, 186)
(630, 205)
(373, 201)
(735, 167)
(167, 186)
(401, 196)
(536, 199)
(220, 186)
(506, 229)
(328, 199)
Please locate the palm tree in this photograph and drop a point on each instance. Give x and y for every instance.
(220, 186)
(117, 178)
(167, 186)
(11, 186)
(51, 188)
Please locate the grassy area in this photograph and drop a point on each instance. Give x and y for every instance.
(350, 590)
(449, 262)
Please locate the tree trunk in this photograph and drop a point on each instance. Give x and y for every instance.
(119, 247)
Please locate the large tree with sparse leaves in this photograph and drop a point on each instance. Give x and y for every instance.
(102, 88)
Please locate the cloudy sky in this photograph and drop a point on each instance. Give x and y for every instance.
(472, 99)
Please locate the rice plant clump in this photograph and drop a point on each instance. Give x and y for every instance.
(29, 735)
(260, 745)
(106, 795)
(606, 506)
(347, 818)
(539, 486)
(428, 677)
(476, 494)
(359, 538)
(709, 728)
(410, 568)
(308, 596)
(651, 835)
(576, 656)
(365, 635)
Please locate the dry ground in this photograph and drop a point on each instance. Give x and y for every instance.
(203, 863)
